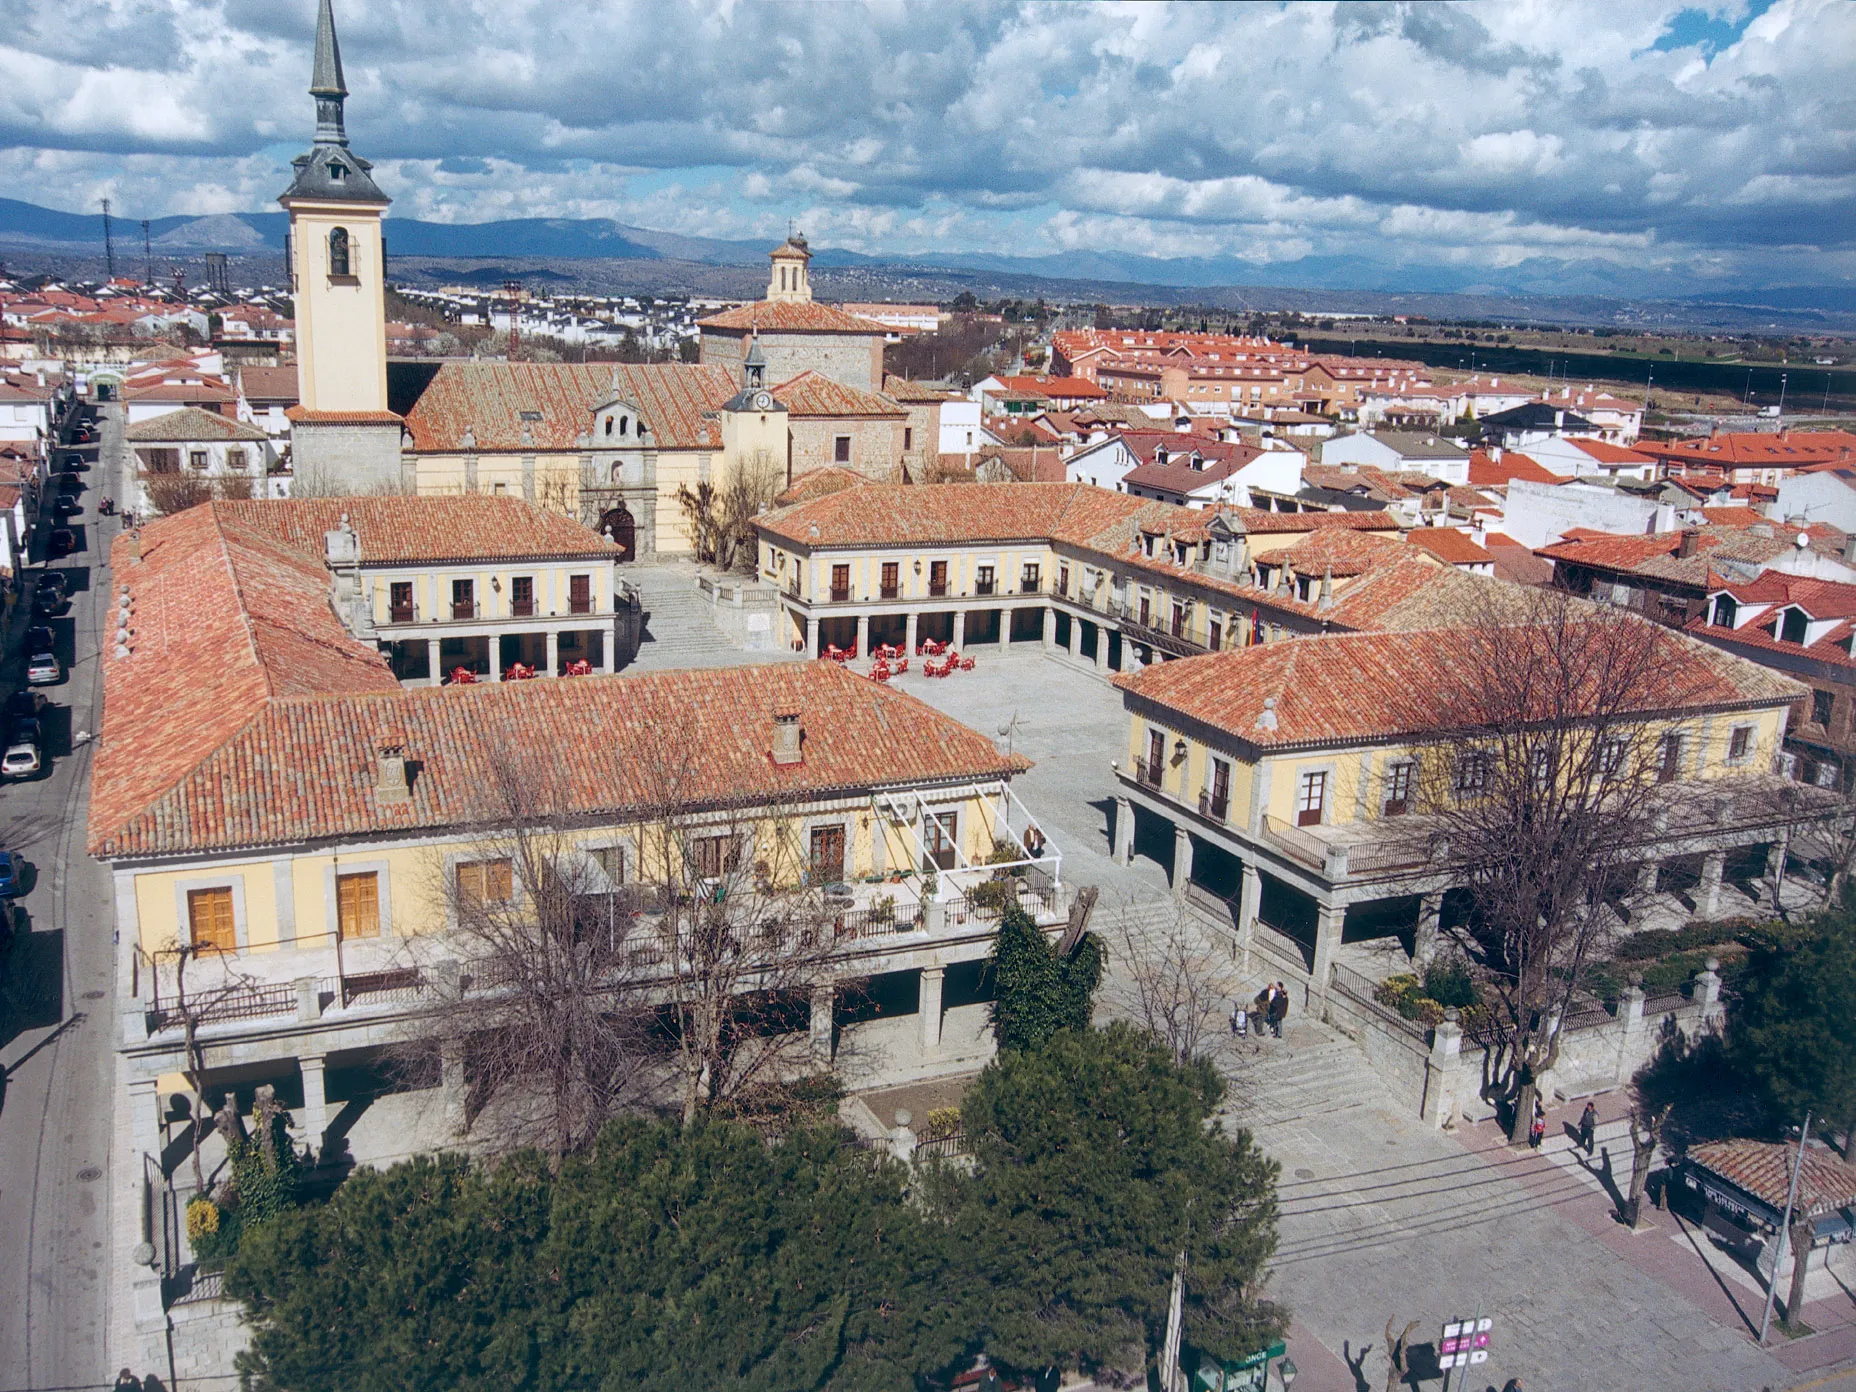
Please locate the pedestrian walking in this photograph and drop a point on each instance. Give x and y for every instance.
(1279, 1008)
(1537, 1128)
(1588, 1129)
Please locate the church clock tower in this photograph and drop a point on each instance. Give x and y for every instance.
(344, 439)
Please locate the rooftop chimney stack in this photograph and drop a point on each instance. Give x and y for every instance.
(787, 735)
(390, 786)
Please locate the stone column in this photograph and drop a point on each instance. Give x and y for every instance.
(1102, 648)
(1708, 892)
(1708, 991)
(820, 1030)
(1124, 831)
(863, 635)
(1329, 919)
(1182, 860)
(811, 636)
(454, 1087)
(910, 639)
(1050, 629)
(434, 672)
(315, 1100)
(1630, 1033)
(1430, 918)
(960, 629)
(145, 1116)
(496, 657)
(1076, 636)
(553, 658)
(932, 978)
(1249, 896)
(1646, 876)
(1440, 1071)
(308, 999)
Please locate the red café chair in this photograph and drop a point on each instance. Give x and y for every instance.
(582, 668)
(463, 676)
(902, 666)
(966, 664)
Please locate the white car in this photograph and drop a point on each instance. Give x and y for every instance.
(44, 669)
(20, 761)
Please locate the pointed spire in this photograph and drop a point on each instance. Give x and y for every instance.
(327, 78)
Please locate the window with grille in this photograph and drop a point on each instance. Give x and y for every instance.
(399, 601)
(715, 856)
(340, 262)
(827, 854)
(611, 859)
(984, 579)
(463, 599)
(210, 922)
(1311, 796)
(1472, 774)
(1823, 706)
(1671, 765)
(580, 594)
(1028, 578)
(840, 582)
(522, 596)
(485, 882)
(1740, 743)
(357, 905)
(1398, 788)
(892, 579)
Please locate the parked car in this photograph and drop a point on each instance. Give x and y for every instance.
(21, 761)
(22, 705)
(74, 461)
(69, 483)
(25, 729)
(12, 874)
(55, 580)
(39, 638)
(12, 921)
(46, 602)
(63, 542)
(67, 505)
(44, 669)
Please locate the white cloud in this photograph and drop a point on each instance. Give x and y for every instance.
(1472, 134)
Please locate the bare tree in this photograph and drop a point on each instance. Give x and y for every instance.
(194, 1005)
(1173, 979)
(721, 515)
(1547, 721)
(743, 939)
(551, 1018)
(1646, 1133)
(1398, 1355)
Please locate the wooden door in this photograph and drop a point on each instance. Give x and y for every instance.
(827, 854)
(623, 528)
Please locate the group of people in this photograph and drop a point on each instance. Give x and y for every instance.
(1269, 1009)
(1588, 1127)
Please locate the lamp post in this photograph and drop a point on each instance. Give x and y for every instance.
(1782, 377)
(1286, 1370)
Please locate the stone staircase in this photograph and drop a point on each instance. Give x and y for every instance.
(679, 628)
(1311, 1071)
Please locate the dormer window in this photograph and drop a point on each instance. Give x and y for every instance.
(338, 171)
(1794, 626)
(339, 262)
(1725, 611)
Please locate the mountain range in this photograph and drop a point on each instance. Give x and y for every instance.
(28, 227)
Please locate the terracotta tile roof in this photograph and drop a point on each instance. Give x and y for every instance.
(191, 423)
(1365, 480)
(405, 530)
(1339, 689)
(1761, 601)
(1449, 545)
(1733, 516)
(901, 514)
(1606, 453)
(1256, 520)
(914, 393)
(178, 391)
(1338, 551)
(1027, 463)
(306, 416)
(1656, 555)
(1764, 1170)
(791, 316)
(816, 483)
(301, 769)
(269, 383)
(679, 400)
(1488, 472)
(1037, 385)
(812, 394)
(1744, 449)
(224, 621)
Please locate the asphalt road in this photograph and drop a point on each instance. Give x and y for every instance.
(56, 1010)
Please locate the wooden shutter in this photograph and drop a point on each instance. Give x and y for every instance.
(209, 919)
(357, 905)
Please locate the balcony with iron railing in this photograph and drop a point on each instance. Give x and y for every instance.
(463, 609)
(402, 613)
(522, 608)
(889, 592)
(985, 587)
(840, 594)
(580, 604)
(937, 589)
(1148, 774)
(1214, 806)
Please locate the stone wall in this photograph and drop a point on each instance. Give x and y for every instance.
(746, 610)
(854, 359)
(335, 460)
(876, 446)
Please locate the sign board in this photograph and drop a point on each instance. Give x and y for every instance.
(1464, 1342)
(1247, 1374)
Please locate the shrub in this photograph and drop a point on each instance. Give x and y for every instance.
(1448, 982)
(942, 1122)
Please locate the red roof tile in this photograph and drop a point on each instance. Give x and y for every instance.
(405, 530)
(678, 400)
(1485, 471)
(1449, 545)
(812, 394)
(189, 424)
(791, 316)
(1764, 1170)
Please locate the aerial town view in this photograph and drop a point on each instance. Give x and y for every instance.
(947, 697)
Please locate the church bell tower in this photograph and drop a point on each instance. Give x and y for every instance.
(343, 434)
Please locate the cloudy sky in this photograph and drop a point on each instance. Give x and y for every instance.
(1717, 143)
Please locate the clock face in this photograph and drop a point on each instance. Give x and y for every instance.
(762, 401)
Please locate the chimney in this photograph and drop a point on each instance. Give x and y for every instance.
(390, 785)
(1849, 547)
(1686, 547)
(787, 735)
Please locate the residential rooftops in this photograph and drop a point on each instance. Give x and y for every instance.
(189, 425)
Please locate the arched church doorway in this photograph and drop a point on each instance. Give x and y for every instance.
(623, 528)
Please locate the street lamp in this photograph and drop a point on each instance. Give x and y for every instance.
(1286, 1370)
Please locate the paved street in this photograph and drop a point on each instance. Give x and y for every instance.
(56, 988)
